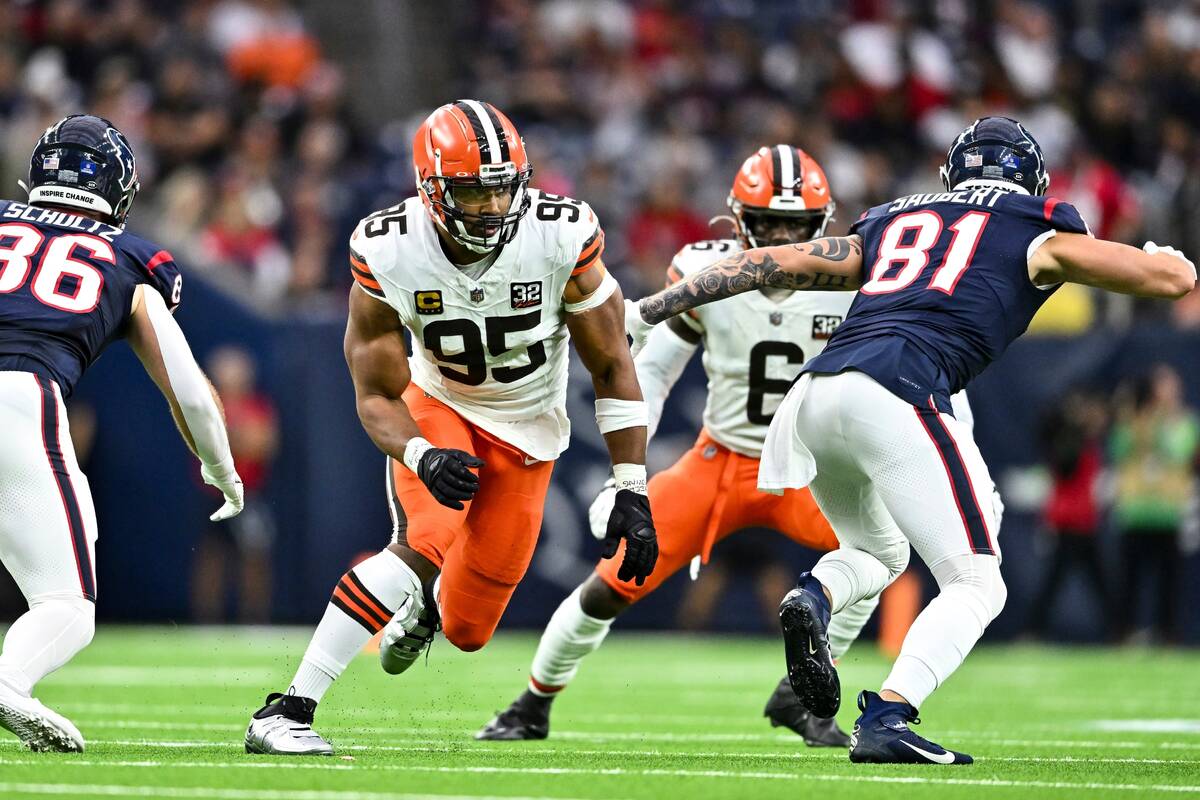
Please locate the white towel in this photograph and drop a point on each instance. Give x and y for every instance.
(786, 463)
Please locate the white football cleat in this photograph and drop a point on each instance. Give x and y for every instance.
(407, 635)
(283, 727)
(39, 728)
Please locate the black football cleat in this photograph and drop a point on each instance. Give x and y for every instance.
(785, 711)
(804, 616)
(528, 718)
(283, 727)
(882, 736)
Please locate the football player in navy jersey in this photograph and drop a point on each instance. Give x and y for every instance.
(71, 281)
(945, 282)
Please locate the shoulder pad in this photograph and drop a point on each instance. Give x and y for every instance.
(156, 267)
(698, 255)
(571, 224)
(373, 246)
(1048, 211)
(870, 213)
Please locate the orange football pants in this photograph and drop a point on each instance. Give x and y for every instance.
(484, 549)
(706, 495)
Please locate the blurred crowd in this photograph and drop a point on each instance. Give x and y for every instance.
(255, 167)
(1125, 464)
(244, 140)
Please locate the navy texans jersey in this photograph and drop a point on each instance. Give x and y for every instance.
(66, 288)
(945, 288)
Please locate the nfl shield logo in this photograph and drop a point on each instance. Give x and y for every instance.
(477, 295)
(776, 317)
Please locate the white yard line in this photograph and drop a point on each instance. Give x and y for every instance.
(505, 751)
(417, 736)
(609, 772)
(109, 790)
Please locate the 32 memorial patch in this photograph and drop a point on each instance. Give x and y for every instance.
(527, 295)
(824, 325)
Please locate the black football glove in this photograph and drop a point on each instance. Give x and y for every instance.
(630, 520)
(446, 472)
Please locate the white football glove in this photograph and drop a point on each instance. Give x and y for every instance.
(230, 483)
(637, 328)
(601, 509)
(1151, 248)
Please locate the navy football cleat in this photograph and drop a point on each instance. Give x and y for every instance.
(804, 616)
(882, 736)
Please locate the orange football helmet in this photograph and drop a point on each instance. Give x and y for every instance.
(780, 195)
(469, 144)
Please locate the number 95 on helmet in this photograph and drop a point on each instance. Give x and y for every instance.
(472, 172)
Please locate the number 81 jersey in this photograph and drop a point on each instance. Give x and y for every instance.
(492, 347)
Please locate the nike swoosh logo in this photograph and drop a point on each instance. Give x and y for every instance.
(942, 758)
(530, 461)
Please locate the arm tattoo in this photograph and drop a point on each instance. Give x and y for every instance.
(752, 269)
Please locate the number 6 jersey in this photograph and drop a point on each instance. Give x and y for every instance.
(66, 288)
(754, 347)
(492, 347)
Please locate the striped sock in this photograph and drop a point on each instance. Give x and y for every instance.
(362, 603)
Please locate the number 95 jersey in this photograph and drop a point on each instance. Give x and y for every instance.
(754, 347)
(492, 347)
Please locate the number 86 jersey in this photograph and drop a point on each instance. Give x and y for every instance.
(66, 288)
(490, 344)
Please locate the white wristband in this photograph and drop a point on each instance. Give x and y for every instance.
(631, 477)
(413, 451)
(614, 415)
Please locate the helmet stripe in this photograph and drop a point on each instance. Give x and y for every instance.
(485, 133)
(494, 118)
(776, 169)
(789, 168)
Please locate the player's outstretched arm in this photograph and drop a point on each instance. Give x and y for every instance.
(378, 361)
(159, 343)
(828, 264)
(595, 319)
(1077, 258)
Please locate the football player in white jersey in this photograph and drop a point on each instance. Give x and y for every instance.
(753, 350)
(490, 278)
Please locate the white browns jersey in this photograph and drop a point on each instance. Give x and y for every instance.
(754, 347)
(494, 348)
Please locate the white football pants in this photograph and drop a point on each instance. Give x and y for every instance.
(47, 521)
(887, 474)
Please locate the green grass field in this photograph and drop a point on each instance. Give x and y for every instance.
(671, 717)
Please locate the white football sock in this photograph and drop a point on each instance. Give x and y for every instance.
(569, 636)
(362, 603)
(847, 624)
(44, 638)
(972, 594)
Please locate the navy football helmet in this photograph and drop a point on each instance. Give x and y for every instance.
(83, 161)
(999, 149)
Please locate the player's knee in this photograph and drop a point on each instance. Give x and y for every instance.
(977, 580)
(599, 600)
(72, 610)
(895, 557)
(466, 635)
